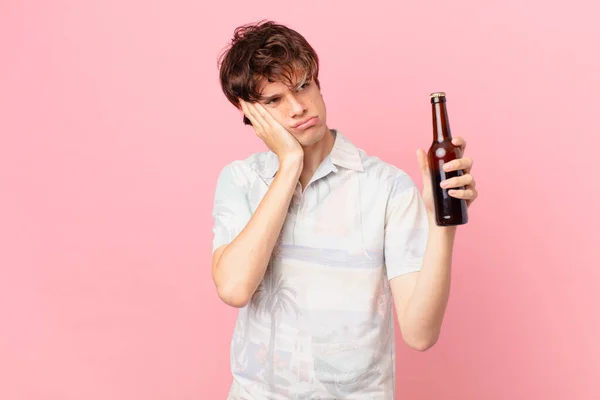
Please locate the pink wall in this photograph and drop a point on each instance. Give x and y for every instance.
(113, 129)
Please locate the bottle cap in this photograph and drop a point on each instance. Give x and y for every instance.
(437, 97)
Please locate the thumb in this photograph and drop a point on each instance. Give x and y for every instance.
(423, 164)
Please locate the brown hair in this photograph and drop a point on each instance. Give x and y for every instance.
(265, 50)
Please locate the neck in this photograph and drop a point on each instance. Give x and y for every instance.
(314, 155)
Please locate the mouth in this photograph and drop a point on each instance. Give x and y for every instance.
(306, 123)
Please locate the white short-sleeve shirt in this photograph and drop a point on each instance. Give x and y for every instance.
(320, 325)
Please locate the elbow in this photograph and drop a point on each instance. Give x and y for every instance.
(422, 343)
(232, 292)
(421, 346)
(233, 296)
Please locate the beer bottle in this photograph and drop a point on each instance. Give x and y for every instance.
(449, 211)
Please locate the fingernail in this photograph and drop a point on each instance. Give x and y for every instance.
(447, 166)
(444, 184)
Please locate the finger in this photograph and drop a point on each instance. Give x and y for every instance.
(472, 199)
(466, 194)
(458, 181)
(459, 164)
(264, 113)
(460, 142)
(259, 114)
(244, 108)
(251, 114)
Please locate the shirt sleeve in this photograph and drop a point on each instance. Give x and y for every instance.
(406, 228)
(231, 209)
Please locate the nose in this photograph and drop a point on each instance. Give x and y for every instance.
(297, 108)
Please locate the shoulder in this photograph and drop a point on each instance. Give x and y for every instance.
(385, 174)
(243, 171)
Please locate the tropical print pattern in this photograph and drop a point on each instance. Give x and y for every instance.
(320, 325)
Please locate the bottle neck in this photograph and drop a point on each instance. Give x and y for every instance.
(441, 125)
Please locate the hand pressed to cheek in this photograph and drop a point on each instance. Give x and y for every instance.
(248, 112)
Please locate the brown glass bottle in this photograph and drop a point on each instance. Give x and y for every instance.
(449, 211)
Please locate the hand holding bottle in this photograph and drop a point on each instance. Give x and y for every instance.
(449, 186)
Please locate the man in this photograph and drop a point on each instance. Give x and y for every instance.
(315, 241)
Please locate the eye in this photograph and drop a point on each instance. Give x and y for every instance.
(304, 86)
(273, 101)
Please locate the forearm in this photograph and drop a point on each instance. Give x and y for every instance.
(427, 305)
(243, 263)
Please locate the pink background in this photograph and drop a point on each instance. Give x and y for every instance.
(113, 129)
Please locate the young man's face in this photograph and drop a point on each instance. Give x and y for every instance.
(301, 110)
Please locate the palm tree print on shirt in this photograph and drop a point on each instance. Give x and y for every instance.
(272, 297)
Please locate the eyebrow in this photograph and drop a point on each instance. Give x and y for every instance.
(276, 95)
(267, 99)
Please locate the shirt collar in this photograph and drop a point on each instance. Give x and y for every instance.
(343, 154)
